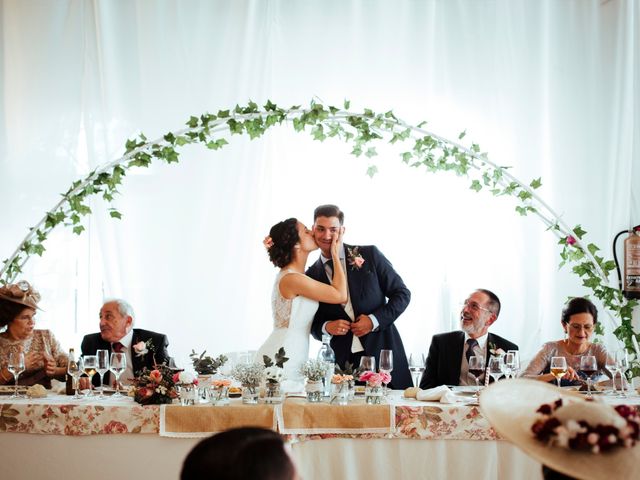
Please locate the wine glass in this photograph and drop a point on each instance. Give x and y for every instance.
(612, 367)
(476, 368)
(90, 369)
(103, 367)
(118, 365)
(558, 368)
(512, 362)
(75, 369)
(622, 362)
(386, 364)
(496, 367)
(416, 367)
(588, 367)
(16, 367)
(367, 364)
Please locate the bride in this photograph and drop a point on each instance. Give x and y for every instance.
(295, 296)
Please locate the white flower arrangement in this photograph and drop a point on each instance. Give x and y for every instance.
(187, 378)
(248, 374)
(273, 374)
(314, 370)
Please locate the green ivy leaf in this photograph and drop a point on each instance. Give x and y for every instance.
(372, 170)
(536, 183)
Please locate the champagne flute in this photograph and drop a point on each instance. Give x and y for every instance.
(16, 367)
(118, 365)
(588, 367)
(416, 367)
(103, 367)
(75, 369)
(558, 368)
(622, 362)
(512, 358)
(496, 367)
(476, 368)
(386, 364)
(90, 369)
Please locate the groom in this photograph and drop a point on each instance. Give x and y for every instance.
(377, 297)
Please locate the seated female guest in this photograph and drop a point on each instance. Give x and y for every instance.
(43, 357)
(579, 318)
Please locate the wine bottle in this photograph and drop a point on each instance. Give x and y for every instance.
(68, 378)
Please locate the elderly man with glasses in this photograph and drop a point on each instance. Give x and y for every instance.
(449, 353)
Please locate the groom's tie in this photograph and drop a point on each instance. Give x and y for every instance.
(471, 344)
(356, 344)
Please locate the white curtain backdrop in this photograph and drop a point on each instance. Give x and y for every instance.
(548, 88)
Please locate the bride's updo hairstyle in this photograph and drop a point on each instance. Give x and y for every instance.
(284, 236)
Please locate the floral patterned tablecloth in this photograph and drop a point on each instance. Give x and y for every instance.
(62, 415)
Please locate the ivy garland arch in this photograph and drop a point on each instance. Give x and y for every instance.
(363, 131)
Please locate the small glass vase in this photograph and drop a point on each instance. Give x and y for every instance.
(373, 395)
(314, 391)
(250, 394)
(219, 395)
(187, 394)
(340, 394)
(272, 394)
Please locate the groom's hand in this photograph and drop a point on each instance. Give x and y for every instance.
(338, 327)
(362, 325)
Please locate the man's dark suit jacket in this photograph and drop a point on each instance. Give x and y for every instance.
(369, 288)
(93, 342)
(445, 357)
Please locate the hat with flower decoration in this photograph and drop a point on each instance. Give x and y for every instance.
(22, 293)
(564, 431)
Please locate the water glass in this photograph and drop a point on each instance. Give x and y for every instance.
(496, 367)
(622, 362)
(118, 364)
(90, 369)
(512, 362)
(75, 369)
(612, 367)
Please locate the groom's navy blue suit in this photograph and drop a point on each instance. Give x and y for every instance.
(369, 288)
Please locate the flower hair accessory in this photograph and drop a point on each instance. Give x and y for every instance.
(354, 258)
(22, 293)
(267, 242)
(589, 426)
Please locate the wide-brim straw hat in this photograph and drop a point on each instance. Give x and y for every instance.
(510, 406)
(22, 293)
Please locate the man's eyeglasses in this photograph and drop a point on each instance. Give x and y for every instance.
(474, 306)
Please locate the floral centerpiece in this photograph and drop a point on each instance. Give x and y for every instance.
(154, 387)
(373, 389)
(220, 391)
(206, 365)
(314, 371)
(273, 375)
(250, 376)
(341, 388)
(187, 384)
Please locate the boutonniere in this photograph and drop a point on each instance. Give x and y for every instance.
(495, 351)
(142, 348)
(354, 258)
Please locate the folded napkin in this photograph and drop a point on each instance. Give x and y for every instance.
(432, 394)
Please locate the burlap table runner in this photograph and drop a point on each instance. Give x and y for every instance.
(297, 416)
(203, 420)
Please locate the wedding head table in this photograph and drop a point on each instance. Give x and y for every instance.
(403, 438)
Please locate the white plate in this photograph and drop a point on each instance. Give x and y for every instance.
(464, 389)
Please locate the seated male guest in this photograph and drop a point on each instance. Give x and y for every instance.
(143, 348)
(449, 353)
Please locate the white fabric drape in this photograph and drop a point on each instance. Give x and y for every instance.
(545, 87)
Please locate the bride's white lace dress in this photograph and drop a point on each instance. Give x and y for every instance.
(291, 328)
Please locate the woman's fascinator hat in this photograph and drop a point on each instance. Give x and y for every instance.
(560, 429)
(22, 293)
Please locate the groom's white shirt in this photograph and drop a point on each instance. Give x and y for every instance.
(356, 345)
